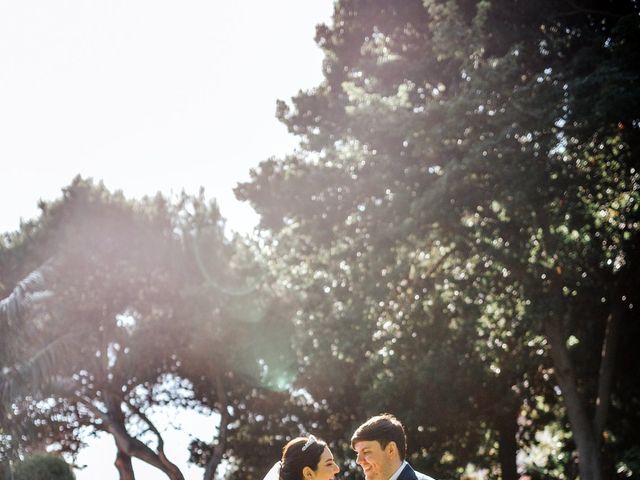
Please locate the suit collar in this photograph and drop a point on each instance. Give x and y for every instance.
(407, 473)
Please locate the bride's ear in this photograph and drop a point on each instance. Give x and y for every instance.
(307, 473)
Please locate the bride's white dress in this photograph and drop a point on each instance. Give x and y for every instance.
(274, 473)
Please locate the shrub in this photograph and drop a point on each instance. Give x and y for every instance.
(43, 467)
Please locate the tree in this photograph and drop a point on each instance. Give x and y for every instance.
(103, 310)
(474, 158)
(142, 305)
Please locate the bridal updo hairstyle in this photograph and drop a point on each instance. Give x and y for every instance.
(294, 458)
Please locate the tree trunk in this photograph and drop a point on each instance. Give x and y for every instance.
(507, 433)
(114, 423)
(170, 468)
(589, 459)
(135, 448)
(124, 466)
(5, 470)
(605, 378)
(218, 450)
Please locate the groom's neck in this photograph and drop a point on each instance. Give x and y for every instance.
(392, 467)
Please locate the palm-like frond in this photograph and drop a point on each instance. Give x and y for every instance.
(23, 371)
(33, 375)
(29, 291)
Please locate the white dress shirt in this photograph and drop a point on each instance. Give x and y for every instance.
(398, 471)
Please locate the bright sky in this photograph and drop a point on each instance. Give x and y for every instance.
(147, 95)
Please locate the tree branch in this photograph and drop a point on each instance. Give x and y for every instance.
(605, 376)
(168, 466)
(132, 446)
(150, 424)
(581, 10)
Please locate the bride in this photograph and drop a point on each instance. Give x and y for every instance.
(304, 458)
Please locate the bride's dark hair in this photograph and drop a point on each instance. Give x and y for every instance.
(299, 453)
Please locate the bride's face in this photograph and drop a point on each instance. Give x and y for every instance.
(327, 468)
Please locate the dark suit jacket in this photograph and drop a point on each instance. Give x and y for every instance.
(409, 473)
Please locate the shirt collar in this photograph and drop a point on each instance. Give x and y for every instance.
(397, 473)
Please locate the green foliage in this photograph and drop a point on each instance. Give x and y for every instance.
(106, 267)
(111, 327)
(451, 242)
(466, 183)
(147, 305)
(43, 467)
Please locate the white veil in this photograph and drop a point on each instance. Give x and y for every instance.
(274, 473)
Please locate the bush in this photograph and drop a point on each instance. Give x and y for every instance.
(43, 467)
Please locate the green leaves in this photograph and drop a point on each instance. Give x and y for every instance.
(461, 182)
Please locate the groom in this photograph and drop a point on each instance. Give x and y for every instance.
(381, 444)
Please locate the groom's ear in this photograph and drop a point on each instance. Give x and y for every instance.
(391, 448)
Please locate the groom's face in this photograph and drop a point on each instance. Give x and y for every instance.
(374, 460)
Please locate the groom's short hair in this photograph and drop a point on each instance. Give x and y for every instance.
(383, 428)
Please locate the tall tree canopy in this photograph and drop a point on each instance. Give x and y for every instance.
(461, 220)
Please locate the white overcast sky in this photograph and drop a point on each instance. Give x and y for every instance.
(147, 95)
